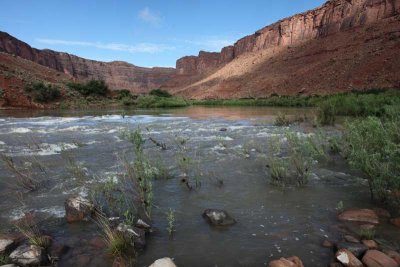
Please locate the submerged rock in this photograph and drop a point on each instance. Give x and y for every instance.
(164, 262)
(218, 217)
(356, 248)
(135, 236)
(371, 244)
(360, 215)
(6, 245)
(375, 258)
(351, 239)
(78, 208)
(143, 225)
(28, 255)
(348, 259)
(290, 262)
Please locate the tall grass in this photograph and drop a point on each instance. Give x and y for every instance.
(152, 101)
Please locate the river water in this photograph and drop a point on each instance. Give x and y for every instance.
(272, 222)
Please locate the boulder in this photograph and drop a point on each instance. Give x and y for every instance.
(9, 265)
(143, 225)
(348, 259)
(351, 239)
(135, 236)
(395, 221)
(394, 255)
(290, 262)
(218, 217)
(6, 245)
(78, 208)
(28, 255)
(355, 248)
(164, 262)
(375, 258)
(359, 215)
(371, 244)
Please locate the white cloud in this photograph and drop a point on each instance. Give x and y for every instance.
(149, 16)
(138, 48)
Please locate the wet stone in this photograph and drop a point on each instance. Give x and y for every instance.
(135, 236)
(164, 262)
(28, 255)
(351, 239)
(348, 259)
(375, 258)
(357, 249)
(218, 217)
(78, 208)
(6, 245)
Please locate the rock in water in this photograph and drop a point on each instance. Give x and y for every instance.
(290, 262)
(347, 258)
(78, 208)
(135, 236)
(5, 245)
(218, 217)
(356, 248)
(361, 215)
(28, 255)
(375, 258)
(164, 262)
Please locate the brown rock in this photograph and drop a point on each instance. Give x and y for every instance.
(327, 244)
(347, 258)
(371, 244)
(78, 208)
(351, 239)
(395, 221)
(360, 215)
(375, 258)
(290, 262)
(394, 255)
(382, 212)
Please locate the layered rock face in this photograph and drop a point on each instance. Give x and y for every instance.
(334, 17)
(118, 75)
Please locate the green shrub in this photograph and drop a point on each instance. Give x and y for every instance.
(151, 101)
(1, 93)
(93, 87)
(373, 146)
(160, 93)
(123, 94)
(326, 113)
(281, 120)
(42, 93)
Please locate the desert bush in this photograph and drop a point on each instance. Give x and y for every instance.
(151, 101)
(93, 87)
(326, 113)
(160, 93)
(42, 93)
(373, 146)
(281, 120)
(123, 93)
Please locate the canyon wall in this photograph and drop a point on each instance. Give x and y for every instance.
(118, 75)
(333, 17)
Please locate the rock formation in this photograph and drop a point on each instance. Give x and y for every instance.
(117, 74)
(278, 43)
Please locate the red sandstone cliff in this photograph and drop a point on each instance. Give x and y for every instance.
(118, 75)
(260, 63)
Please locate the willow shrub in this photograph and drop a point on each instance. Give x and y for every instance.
(373, 146)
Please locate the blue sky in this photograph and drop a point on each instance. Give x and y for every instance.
(143, 32)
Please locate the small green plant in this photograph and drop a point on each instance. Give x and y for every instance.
(366, 234)
(171, 221)
(2, 93)
(42, 93)
(281, 120)
(115, 242)
(326, 113)
(29, 228)
(160, 93)
(4, 260)
(340, 206)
